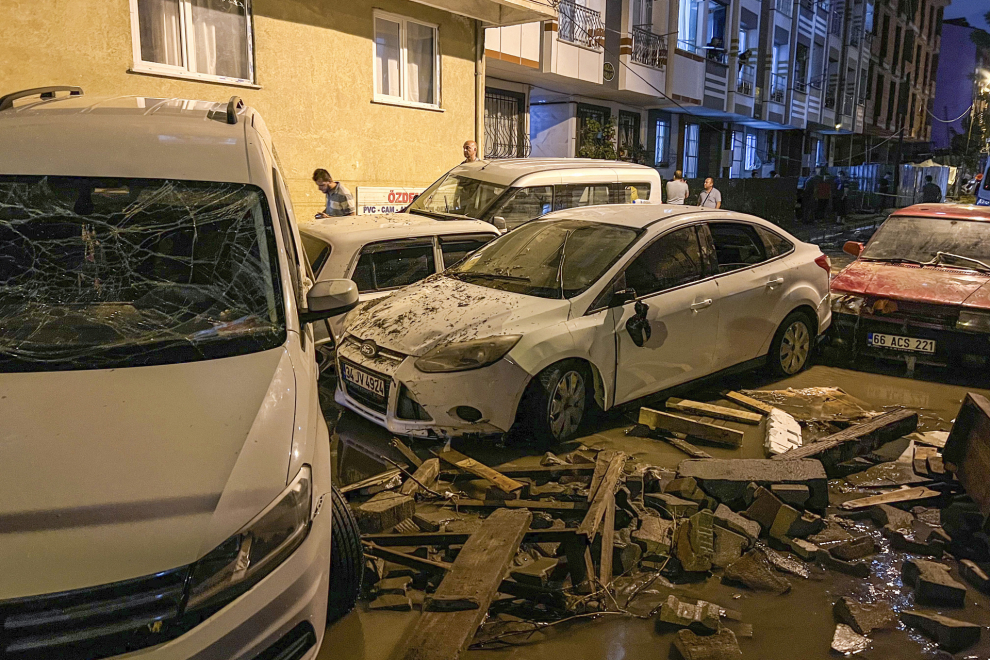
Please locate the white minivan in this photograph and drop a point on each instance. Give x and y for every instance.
(165, 481)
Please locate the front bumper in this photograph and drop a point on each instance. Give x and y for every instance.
(849, 333)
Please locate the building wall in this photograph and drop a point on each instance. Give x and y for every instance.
(314, 73)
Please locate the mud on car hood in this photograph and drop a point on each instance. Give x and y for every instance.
(936, 285)
(112, 474)
(442, 310)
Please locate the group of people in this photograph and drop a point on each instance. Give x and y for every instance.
(678, 192)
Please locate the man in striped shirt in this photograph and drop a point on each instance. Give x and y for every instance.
(340, 201)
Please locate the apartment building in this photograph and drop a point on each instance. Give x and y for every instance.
(382, 93)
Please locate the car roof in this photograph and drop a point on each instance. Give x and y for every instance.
(947, 211)
(505, 171)
(640, 216)
(127, 136)
(358, 230)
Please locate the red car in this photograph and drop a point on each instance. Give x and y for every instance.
(920, 288)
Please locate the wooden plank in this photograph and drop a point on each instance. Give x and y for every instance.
(535, 472)
(902, 495)
(445, 539)
(711, 410)
(920, 460)
(857, 440)
(719, 435)
(468, 464)
(685, 446)
(547, 505)
(475, 577)
(601, 465)
(749, 402)
(424, 476)
(592, 519)
(374, 480)
(608, 541)
(412, 561)
(410, 455)
(967, 451)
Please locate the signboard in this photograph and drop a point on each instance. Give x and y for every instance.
(387, 199)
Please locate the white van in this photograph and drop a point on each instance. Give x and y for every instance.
(164, 463)
(510, 192)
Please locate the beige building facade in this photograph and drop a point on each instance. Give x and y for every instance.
(380, 93)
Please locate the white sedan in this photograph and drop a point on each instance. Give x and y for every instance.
(593, 306)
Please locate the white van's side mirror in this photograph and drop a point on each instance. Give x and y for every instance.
(499, 223)
(329, 298)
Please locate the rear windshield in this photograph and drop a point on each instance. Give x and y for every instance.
(457, 196)
(103, 273)
(919, 239)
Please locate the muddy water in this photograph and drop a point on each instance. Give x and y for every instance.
(796, 626)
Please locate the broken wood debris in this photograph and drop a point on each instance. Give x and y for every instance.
(892, 497)
(711, 410)
(710, 432)
(468, 464)
(749, 402)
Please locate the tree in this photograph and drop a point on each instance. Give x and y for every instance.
(598, 140)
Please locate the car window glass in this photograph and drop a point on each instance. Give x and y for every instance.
(630, 193)
(672, 260)
(737, 245)
(290, 245)
(317, 251)
(455, 248)
(526, 204)
(775, 244)
(581, 195)
(387, 266)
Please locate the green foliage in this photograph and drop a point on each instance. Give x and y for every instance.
(598, 140)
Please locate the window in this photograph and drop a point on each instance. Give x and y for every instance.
(738, 142)
(752, 162)
(736, 245)
(209, 39)
(407, 63)
(642, 11)
(393, 264)
(894, 62)
(672, 260)
(526, 204)
(630, 193)
(568, 197)
(628, 135)
(457, 195)
(883, 36)
(663, 140)
(802, 53)
(690, 165)
(455, 248)
(688, 18)
(716, 47)
(775, 244)
(820, 152)
(317, 252)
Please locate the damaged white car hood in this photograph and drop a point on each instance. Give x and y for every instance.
(443, 310)
(111, 474)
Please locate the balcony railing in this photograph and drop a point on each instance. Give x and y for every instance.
(689, 46)
(746, 79)
(784, 7)
(717, 55)
(580, 25)
(648, 48)
(800, 86)
(778, 87)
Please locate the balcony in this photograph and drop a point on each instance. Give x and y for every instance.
(855, 34)
(830, 98)
(784, 7)
(688, 46)
(800, 87)
(778, 88)
(580, 25)
(746, 79)
(648, 49)
(848, 105)
(835, 22)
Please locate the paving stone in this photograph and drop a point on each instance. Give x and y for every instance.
(395, 585)
(863, 617)
(702, 617)
(536, 573)
(903, 542)
(433, 521)
(727, 479)
(797, 495)
(781, 526)
(655, 534)
(393, 570)
(928, 515)
(858, 548)
(383, 512)
(686, 488)
(832, 534)
(720, 646)
(803, 549)
(764, 508)
(974, 574)
(809, 523)
(670, 506)
(695, 545)
(729, 519)
(858, 569)
(394, 602)
(847, 641)
(625, 554)
(932, 583)
(884, 514)
(729, 547)
(950, 634)
(786, 564)
(753, 570)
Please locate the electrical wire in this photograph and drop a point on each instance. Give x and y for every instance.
(949, 121)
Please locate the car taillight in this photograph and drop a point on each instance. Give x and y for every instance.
(824, 262)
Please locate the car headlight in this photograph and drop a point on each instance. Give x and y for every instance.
(847, 303)
(254, 552)
(973, 321)
(466, 355)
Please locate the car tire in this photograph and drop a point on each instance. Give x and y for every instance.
(556, 402)
(792, 346)
(346, 558)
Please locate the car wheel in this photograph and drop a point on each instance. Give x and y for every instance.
(556, 402)
(346, 558)
(790, 351)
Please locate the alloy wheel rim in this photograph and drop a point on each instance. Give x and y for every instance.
(795, 348)
(567, 405)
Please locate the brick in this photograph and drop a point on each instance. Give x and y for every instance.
(729, 547)
(908, 543)
(655, 534)
(803, 549)
(702, 617)
(753, 570)
(950, 634)
(383, 512)
(862, 617)
(729, 519)
(720, 646)
(726, 479)
(932, 583)
(796, 495)
(857, 548)
(764, 508)
(670, 506)
(695, 542)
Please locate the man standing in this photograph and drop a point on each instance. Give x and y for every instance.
(677, 190)
(340, 201)
(470, 152)
(930, 192)
(710, 197)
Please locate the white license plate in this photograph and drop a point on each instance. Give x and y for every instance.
(364, 380)
(900, 343)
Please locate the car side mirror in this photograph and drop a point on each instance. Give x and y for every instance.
(329, 298)
(622, 296)
(853, 248)
(499, 223)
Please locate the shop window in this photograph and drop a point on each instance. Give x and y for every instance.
(407, 61)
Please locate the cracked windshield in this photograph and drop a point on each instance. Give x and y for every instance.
(941, 241)
(100, 272)
(457, 195)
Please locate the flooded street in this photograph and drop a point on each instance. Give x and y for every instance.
(799, 624)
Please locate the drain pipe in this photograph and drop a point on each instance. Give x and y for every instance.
(479, 87)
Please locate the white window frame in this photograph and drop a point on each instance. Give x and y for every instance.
(661, 156)
(751, 156)
(689, 165)
(738, 146)
(403, 21)
(185, 22)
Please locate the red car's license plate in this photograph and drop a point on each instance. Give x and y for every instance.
(899, 343)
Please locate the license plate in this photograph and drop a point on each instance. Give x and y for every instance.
(900, 343)
(364, 380)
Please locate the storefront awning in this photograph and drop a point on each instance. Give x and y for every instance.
(497, 12)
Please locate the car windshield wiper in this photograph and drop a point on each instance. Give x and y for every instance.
(492, 276)
(896, 260)
(940, 255)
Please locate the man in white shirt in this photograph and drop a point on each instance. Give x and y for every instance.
(677, 190)
(710, 197)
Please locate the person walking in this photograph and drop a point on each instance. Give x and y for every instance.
(883, 190)
(710, 197)
(823, 194)
(839, 196)
(470, 152)
(677, 189)
(930, 192)
(340, 201)
(808, 198)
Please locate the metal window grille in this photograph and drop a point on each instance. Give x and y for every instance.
(505, 126)
(746, 79)
(778, 87)
(580, 25)
(648, 48)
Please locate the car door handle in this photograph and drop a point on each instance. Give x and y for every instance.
(701, 304)
(775, 282)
